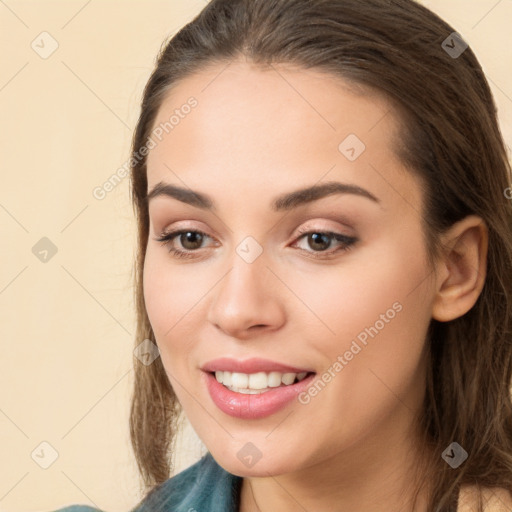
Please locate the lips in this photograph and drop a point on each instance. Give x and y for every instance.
(253, 365)
(253, 407)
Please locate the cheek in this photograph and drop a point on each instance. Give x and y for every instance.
(368, 288)
(155, 293)
(377, 308)
(161, 300)
(168, 293)
(380, 312)
(173, 300)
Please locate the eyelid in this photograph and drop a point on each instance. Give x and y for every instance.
(326, 225)
(179, 225)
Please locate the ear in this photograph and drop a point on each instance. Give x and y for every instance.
(461, 270)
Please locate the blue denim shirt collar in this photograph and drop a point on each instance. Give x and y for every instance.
(203, 487)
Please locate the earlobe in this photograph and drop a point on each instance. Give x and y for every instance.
(461, 268)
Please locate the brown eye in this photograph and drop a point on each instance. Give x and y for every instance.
(320, 241)
(194, 238)
(190, 240)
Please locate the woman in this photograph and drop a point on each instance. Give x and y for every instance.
(325, 264)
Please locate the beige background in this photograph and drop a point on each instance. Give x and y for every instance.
(67, 324)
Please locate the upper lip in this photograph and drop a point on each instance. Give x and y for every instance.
(252, 365)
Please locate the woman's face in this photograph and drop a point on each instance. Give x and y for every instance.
(352, 307)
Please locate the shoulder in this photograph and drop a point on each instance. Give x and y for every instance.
(495, 499)
(205, 486)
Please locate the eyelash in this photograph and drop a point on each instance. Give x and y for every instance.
(347, 241)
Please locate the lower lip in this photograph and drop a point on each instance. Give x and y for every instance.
(245, 406)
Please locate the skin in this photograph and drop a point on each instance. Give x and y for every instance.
(255, 134)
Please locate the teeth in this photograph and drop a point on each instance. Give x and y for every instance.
(255, 383)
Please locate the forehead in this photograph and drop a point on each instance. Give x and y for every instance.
(275, 127)
(240, 95)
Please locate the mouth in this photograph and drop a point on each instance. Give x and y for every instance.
(255, 395)
(259, 382)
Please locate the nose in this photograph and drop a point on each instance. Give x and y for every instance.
(247, 300)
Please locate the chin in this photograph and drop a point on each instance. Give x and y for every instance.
(248, 462)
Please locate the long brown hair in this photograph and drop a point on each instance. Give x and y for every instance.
(450, 139)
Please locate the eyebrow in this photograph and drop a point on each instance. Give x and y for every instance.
(283, 202)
